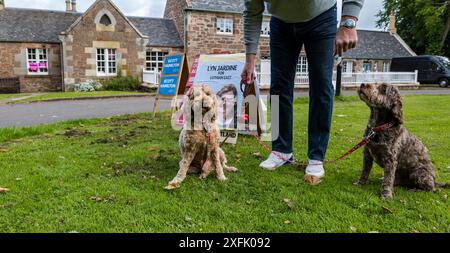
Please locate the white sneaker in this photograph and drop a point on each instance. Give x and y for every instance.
(273, 162)
(315, 168)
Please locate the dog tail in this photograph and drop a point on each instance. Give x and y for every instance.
(443, 185)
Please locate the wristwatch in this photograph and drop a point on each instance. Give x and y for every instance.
(348, 23)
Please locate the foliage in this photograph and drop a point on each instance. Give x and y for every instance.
(88, 86)
(122, 82)
(420, 23)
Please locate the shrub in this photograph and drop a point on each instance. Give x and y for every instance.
(122, 83)
(88, 86)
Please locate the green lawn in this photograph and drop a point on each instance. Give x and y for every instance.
(8, 96)
(107, 175)
(74, 95)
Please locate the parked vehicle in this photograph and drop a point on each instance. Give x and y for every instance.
(432, 69)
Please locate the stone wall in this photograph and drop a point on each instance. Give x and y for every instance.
(202, 37)
(174, 10)
(14, 64)
(81, 42)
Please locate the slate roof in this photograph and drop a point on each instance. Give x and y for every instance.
(28, 25)
(236, 6)
(378, 45)
(217, 5)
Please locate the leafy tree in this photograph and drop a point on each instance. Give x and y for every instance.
(423, 24)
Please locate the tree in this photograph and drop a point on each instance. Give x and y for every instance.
(423, 24)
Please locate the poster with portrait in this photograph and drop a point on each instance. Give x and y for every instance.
(222, 72)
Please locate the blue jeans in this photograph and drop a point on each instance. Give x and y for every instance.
(287, 40)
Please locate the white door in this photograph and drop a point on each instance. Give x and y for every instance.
(265, 73)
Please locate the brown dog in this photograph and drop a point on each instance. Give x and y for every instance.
(199, 139)
(404, 158)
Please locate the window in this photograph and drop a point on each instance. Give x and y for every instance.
(265, 29)
(37, 61)
(225, 26)
(105, 20)
(302, 66)
(385, 67)
(155, 61)
(347, 67)
(106, 62)
(367, 66)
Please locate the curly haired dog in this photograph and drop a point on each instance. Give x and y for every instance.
(404, 158)
(199, 139)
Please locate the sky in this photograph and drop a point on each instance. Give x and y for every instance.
(155, 8)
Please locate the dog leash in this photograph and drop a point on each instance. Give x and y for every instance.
(245, 88)
(361, 144)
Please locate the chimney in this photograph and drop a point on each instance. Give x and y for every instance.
(68, 8)
(2, 4)
(392, 25)
(74, 5)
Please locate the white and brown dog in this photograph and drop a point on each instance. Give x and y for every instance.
(199, 139)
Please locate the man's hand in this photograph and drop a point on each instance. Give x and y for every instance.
(346, 39)
(248, 74)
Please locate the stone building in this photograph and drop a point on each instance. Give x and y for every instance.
(53, 50)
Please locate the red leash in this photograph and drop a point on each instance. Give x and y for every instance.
(245, 90)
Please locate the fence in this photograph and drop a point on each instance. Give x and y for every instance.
(302, 79)
(10, 85)
(353, 79)
(151, 77)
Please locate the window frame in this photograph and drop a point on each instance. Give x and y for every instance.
(107, 62)
(148, 60)
(225, 23)
(346, 66)
(265, 29)
(38, 53)
(302, 66)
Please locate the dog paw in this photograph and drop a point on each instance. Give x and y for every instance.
(222, 179)
(360, 183)
(203, 176)
(386, 195)
(232, 170)
(172, 186)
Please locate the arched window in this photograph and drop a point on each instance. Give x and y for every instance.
(105, 20)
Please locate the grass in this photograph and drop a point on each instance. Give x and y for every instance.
(8, 96)
(74, 95)
(107, 175)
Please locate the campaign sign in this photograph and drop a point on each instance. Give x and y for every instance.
(172, 64)
(222, 72)
(168, 86)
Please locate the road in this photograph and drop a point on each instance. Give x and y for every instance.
(51, 112)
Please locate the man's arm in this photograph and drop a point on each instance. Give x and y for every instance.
(346, 38)
(253, 15)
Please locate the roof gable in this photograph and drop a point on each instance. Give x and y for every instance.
(97, 2)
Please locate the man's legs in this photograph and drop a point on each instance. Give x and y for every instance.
(319, 44)
(284, 52)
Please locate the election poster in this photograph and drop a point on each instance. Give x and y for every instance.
(222, 72)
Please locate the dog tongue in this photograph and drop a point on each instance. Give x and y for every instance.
(312, 180)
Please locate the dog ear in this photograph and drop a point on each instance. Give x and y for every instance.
(397, 103)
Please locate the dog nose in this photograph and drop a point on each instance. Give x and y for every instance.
(363, 85)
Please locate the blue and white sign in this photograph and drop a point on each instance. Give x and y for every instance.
(168, 86)
(172, 65)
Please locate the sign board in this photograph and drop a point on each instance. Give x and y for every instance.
(222, 72)
(175, 74)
